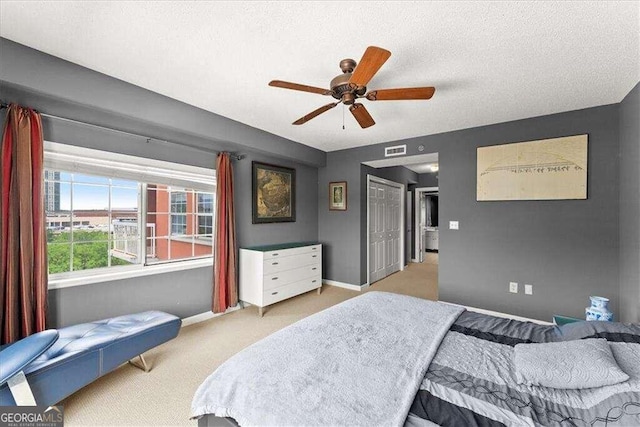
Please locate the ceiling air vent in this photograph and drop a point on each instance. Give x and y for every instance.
(396, 150)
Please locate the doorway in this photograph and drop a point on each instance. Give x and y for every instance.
(425, 222)
(385, 225)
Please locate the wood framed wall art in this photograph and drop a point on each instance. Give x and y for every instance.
(338, 196)
(273, 193)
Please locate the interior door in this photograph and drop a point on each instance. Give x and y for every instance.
(388, 231)
(377, 221)
(384, 230)
(422, 213)
(408, 247)
(393, 229)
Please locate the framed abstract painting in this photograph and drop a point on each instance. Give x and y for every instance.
(274, 193)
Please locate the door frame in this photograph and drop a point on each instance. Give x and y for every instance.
(403, 231)
(416, 220)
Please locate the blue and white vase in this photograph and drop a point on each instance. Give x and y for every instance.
(599, 309)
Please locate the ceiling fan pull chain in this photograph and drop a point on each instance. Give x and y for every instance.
(342, 116)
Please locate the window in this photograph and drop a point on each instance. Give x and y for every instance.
(179, 212)
(79, 236)
(106, 211)
(175, 213)
(205, 215)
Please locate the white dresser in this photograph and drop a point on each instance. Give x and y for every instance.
(269, 274)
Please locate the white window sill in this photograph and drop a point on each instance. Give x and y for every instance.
(127, 273)
(197, 241)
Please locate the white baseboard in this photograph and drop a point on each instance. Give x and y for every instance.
(344, 285)
(206, 316)
(499, 314)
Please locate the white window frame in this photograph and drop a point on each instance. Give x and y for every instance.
(102, 163)
(199, 215)
(173, 214)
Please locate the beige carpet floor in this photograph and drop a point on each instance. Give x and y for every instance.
(129, 396)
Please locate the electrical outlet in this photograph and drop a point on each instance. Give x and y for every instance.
(453, 225)
(513, 287)
(528, 289)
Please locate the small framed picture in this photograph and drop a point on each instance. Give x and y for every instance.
(338, 196)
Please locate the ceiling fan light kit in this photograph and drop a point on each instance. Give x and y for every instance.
(351, 85)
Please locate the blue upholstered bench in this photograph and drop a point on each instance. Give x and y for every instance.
(81, 354)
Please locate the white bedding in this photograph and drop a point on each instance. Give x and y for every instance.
(360, 362)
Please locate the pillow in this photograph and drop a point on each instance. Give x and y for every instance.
(567, 365)
(611, 331)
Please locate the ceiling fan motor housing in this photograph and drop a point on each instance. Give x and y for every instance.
(340, 86)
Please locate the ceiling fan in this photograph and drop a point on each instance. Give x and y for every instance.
(352, 85)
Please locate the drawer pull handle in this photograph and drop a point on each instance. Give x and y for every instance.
(274, 293)
(274, 263)
(314, 268)
(314, 256)
(274, 278)
(313, 249)
(313, 281)
(275, 254)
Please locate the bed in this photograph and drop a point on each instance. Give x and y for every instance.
(388, 359)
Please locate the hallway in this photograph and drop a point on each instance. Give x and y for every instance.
(418, 279)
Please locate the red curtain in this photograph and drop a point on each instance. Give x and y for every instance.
(23, 257)
(225, 288)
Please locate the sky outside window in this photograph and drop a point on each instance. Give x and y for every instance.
(89, 192)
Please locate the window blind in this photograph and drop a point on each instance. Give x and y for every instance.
(121, 166)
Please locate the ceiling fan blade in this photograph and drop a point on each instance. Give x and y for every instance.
(304, 119)
(369, 65)
(401, 94)
(362, 115)
(296, 86)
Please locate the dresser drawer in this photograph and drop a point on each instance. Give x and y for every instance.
(293, 251)
(278, 264)
(290, 276)
(287, 291)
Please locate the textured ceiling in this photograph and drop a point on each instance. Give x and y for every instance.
(423, 168)
(489, 61)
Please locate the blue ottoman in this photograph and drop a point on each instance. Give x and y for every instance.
(82, 353)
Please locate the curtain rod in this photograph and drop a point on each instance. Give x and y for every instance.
(234, 156)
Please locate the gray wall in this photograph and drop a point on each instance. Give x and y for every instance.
(304, 229)
(60, 88)
(630, 206)
(182, 293)
(428, 179)
(567, 249)
(55, 86)
(339, 231)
